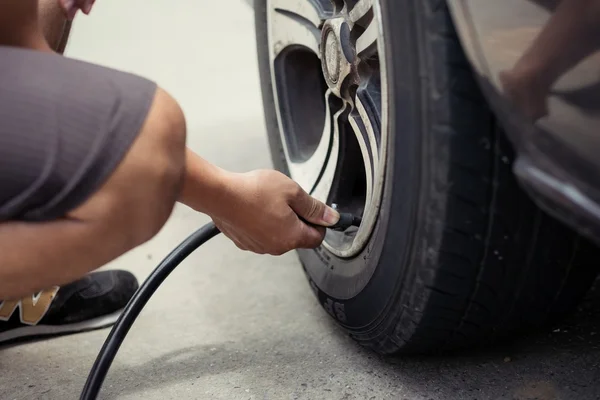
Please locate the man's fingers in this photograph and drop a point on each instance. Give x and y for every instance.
(310, 237)
(312, 210)
(242, 243)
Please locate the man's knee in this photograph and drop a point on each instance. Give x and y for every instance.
(167, 126)
(167, 121)
(140, 195)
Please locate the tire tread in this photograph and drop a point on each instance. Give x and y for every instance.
(494, 292)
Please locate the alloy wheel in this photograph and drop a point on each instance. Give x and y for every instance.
(329, 83)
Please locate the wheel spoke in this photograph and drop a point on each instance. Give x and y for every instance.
(323, 187)
(362, 17)
(307, 173)
(360, 9)
(365, 126)
(366, 44)
(296, 23)
(368, 110)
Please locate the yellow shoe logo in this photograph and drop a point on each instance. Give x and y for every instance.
(31, 308)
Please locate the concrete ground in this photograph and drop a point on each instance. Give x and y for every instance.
(231, 325)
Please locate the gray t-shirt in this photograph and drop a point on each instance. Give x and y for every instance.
(65, 125)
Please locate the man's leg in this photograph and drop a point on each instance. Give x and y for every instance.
(123, 210)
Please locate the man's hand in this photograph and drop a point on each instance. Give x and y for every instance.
(71, 7)
(260, 211)
(263, 213)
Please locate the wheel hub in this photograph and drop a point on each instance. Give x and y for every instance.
(338, 56)
(331, 58)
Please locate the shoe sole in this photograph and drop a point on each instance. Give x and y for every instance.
(51, 330)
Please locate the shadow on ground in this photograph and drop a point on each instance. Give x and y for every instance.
(559, 364)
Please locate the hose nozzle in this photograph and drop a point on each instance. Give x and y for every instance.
(346, 221)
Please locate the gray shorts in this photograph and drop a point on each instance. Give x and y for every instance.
(65, 125)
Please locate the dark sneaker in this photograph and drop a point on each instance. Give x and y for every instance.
(93, 302)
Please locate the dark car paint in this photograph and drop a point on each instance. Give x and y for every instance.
(558, 156)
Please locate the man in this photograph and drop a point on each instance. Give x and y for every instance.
(92, 161)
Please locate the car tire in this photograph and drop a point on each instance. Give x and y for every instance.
(459, 256)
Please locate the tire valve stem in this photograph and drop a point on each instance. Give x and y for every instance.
(346, 220)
